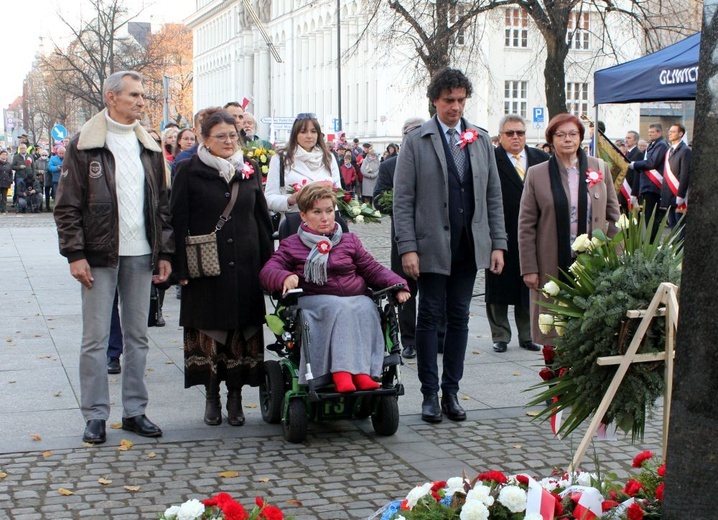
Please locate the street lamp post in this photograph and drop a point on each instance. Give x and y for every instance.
(339, 66)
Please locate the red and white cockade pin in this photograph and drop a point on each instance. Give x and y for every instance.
(468, 137)
(247, 170)
(324, 247)
(593, 177)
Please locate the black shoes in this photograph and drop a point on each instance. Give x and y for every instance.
(500, 346)
(113, 365)
(235, 414)
(530, 345)
(95, 432)
(142, 426)
(430, 409)
(160, 320)
(409, 352)
(451, 407)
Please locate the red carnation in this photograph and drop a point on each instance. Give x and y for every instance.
(259, 501)
(439, 484)
(435, 496)
(522, 479)
(547, 374)
(662, 470)
(558, 507)
(548, 354)
(612, 495)
(234, 511)
(635, 512)
(496, 476)
(347, 197)
(641, 458)
(659, 491)
(632, 487)
(608, 504)
(271, 513)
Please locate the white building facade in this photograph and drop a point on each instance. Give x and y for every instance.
(382, 83)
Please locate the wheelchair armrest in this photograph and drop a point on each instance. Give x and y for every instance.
(377, 295)
(288, 299)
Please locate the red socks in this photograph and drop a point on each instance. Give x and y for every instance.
(346, 382)
(343, 382)
(364, 382)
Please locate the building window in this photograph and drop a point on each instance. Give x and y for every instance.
(516, 32)
(578, 25)
(456, 12)
(577, 99)
(515, 97)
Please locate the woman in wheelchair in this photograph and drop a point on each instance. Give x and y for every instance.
(335, 272)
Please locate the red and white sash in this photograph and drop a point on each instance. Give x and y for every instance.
(671, 178)
(655, 177)
(627, 192)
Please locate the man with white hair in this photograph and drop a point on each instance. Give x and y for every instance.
(113, 224)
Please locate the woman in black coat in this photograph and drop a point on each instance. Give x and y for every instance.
(222, 315)
(5, 179)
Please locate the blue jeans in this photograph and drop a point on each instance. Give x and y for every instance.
(131, 279)
(436, 293)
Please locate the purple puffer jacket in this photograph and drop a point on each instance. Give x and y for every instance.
(351, 270)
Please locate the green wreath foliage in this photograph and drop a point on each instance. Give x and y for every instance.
(610, 277)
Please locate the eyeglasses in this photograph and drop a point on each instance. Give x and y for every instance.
(306, 115)
(225, 137)
(510, 133)
(562, 135)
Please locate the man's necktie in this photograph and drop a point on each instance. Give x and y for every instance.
(457, 152)
(519, 167)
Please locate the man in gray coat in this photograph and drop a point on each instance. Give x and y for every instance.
(449, 222)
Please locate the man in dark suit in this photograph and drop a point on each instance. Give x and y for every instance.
(449, 222)
(650, 175)
(675, 174)
(633, 153)
(513, 159)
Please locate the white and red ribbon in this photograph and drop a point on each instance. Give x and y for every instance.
(467, 137)
(655, 177)
(247, 170)
(540, 501)
(627, 192)
(670, 177)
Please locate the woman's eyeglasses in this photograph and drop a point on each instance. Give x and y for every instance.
(306, 115)
(225, 137)
(562, 135)
(510, 133)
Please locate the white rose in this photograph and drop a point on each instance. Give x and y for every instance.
(359, 219)
(545, 323)
(581, 244)
(560, 327)
(191, 510)
(551, 288)
(584, 478)
(596, 242)
(417, 493)
(481, 493)
(574, 267)
(513, 497)
(171, 512)
(377, 214)
(474, 510)
(356, 210)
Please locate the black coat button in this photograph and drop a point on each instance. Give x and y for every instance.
(230, 241)
(227, 195)
(231, 264)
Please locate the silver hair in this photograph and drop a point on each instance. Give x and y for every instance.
(511, 118)
(114, 82)
(635, 134)
(412, 123)
(167, 131)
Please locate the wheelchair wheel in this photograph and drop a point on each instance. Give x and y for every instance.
(295, 423)
(386, 418)
(271, 392)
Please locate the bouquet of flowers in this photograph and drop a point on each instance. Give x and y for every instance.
(588, 311)
(495, 496)
(221, 507)
(261, 155)
(350, 209)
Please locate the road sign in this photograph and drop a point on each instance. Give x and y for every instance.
(337, 124)
(59, 132)
(538, 114)
(280, 123)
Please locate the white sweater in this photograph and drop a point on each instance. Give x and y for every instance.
(130, 186)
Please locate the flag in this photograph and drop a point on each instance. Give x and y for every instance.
(540, 501)
(615, 160)
(245, 103)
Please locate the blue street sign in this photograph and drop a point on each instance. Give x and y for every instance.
(538, 114)
(59, 132)
(336, 124)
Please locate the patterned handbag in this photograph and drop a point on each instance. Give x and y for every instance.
(201, 250)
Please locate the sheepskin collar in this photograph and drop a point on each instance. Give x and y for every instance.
(94, 134)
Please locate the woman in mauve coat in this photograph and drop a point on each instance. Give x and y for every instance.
(335, 272)
(569, 195)
(223, 315)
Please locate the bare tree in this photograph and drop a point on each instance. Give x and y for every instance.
(98, 48)
(432, 28)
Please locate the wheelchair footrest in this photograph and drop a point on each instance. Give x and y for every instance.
(315, 396)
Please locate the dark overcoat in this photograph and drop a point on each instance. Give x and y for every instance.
(234, 299)
(508, 288)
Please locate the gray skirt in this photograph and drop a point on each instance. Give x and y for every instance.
(345, 335)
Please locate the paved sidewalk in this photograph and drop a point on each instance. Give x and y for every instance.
(343, 470)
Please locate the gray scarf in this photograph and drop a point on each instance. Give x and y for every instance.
(315, 268)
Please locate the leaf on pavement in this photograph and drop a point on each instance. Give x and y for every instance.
(295, 502)
(104, 481)
(229, 474)
(36, 437)
(533, 413)
(251, 405)
(518, 446)
(132, 488)
(46, 454)
(87, 445)
(264, 479)
(465, 397)
(516, 374)
(65, 492)
(57, 394)
(116, 425)
(3, 475)
(125, 445)
(151, 455)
